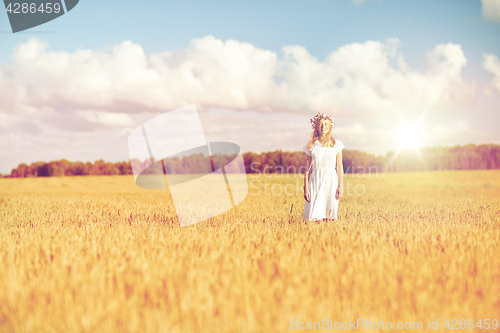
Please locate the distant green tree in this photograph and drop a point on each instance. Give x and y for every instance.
(468, 157)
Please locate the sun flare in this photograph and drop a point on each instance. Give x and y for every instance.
(409, 135)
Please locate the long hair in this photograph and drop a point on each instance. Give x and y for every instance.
(327, 141)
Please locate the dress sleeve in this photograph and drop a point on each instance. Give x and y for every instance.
(306, 150)
(340, 146)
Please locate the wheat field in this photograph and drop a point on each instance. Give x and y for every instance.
(99, 254)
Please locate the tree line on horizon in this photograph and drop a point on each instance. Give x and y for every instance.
(468, 157)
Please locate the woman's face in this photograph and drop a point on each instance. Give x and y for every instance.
(324, 126)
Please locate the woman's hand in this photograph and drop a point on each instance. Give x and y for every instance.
(340, 192)
(307, 194)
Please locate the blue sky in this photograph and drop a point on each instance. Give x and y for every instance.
(320, 27)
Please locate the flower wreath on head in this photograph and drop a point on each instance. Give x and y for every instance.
(318, 117)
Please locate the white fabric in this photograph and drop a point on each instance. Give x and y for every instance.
(323, 182)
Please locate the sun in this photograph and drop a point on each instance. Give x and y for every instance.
(409, 135)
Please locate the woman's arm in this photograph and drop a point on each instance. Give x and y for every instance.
(307, 194)
(340, 173)
(306, 174)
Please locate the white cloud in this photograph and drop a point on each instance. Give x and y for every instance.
(492, 64)
(459, 134)
(354, 132)
(365, 78)
(4, 120)
(106, 118)
(82, 105)
(491, 10)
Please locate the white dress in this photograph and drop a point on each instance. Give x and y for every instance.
(323, 182)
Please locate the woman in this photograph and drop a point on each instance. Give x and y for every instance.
(323, 181)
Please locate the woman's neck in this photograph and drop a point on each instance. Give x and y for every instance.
(323, 139)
